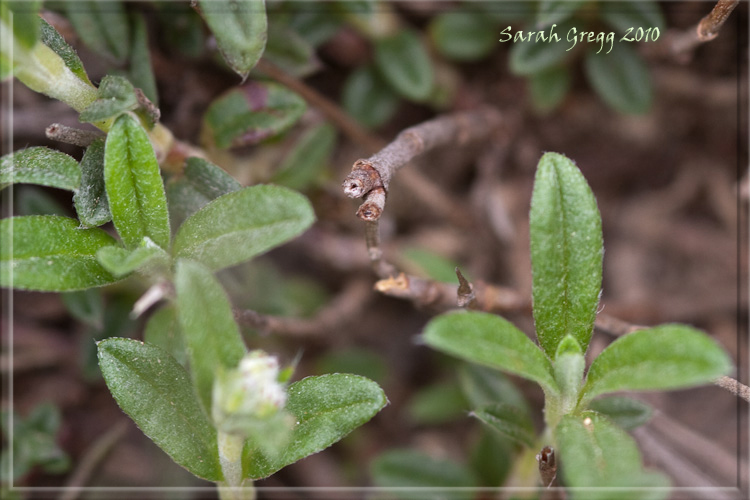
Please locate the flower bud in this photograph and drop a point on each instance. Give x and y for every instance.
(247, 396)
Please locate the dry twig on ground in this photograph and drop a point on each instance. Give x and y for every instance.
(681, 44)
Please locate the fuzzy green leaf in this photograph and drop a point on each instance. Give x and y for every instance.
(25, 21)
(240, 29)
(42, 166)
(508, 421)
(602, 460)
(625, 15)
(207, 323)
(621, 78)
(250, 114)
(568, 368)
(115, 96)
(566, 253)
(239, 226)
(492, 341)
(484, 386)
(103, 27)
(121, 261)
(134, 185)
(467, 35)
(540, 51)
(628, 413)
(549, 87)
(325, 409)
(151, 387)
(368, 98)
(91, 201)
(303, 165)
(556, 11)
(660, 358)
(51, 253)
(54, 40)
(403, 62)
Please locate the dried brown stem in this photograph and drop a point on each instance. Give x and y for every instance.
(71, 135)
(547, 466)
(734, 386)
(346, 306)
(371, 177)
(680, 44)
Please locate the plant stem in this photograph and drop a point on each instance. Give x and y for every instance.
(230, 456)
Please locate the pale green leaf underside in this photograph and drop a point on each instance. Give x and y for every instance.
(489, 340)
(121, 261)
(566, 253)
(509, 421)
(241, 225)
(51, 253)
(664, 357)
(401, 468)
(325, 409)
(151, 387)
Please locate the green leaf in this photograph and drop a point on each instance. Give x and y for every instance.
(134, 185)
(314, 23)
(539, 52)
(201, 182)
(549, 87)
(240, 30)
(600, 457)
(368, 98)
(620, 78)
(436, 404)
(556, 11)
(103, 27)
(413, 469)
(163, 331)
(484, 386)
(54, 40)
(51, 253)
(430, 264)
(42, 166)
(239, 226)
(403, 62)
(31, 200)
(121, 261)
(290, 52)
(25, 21)
(302, 166)
(628, 413)
(466, 35)
(566, 253)
(626, 15)
(507, 11)
(116, 95)
(92, 205)
(660, 358)
(86, 306)
(207, 323)
(141, 74)
(325, 409)
(492, 341)
(181, 28)
(508, 421)
(492, 457)
(151, 387)
(250, 114)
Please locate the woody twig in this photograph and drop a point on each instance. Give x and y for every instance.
(680, 44)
